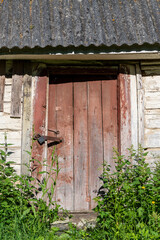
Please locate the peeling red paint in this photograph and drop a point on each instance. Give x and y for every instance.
(65, 178)
(39, 116)
(124, 109)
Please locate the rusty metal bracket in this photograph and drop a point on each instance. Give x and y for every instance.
(54, 131)
(41, 139)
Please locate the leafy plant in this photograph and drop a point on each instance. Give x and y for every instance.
(128, 204)
(19, 204)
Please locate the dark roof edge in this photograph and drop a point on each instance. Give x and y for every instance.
(81, 49)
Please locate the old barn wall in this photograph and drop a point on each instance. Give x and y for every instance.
(151, 87)
(11, 126)
(145, 117)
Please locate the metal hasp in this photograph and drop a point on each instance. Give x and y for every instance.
(41, 139)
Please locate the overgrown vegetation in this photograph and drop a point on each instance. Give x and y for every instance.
(24, 213)
(128, 203)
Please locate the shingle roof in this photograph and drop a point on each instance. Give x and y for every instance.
(42, 23)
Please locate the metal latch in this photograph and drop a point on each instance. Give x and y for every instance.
(41, 139)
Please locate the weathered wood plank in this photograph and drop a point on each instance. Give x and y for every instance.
(152, 138)
(16, 95)
(52, 125)
(13, 137)
(9, 124)
(152, 100)
(39, 122)
(95, 137)
(81, 171)
(141, 116)
(52, 116)
(2, 83)
(7, 107)
(7, 94)
(139, 77)
(64, 111)
(26, 122)
(124, 109)
(152, 112)
(109, 107)
(134, 107)
(15, 154)
(140, 105)
(152, 121)
(151, 83)
(8, 81)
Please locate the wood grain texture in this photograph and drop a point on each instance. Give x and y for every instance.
(81, 171)
(13, 137)
(151, 100)
(16, 95)
(52, 116)
(151, 83)
(94, 137)
(109, 107)
(64, 109)
(124, 109)
(134, 106)
(140, 103)
(84, 110)
(39, 118)
(141, 116)
(26, 122)
(52, 125)
(152, 121)
(152, 138)
(2, 83)
(7, 94)
(9, 124)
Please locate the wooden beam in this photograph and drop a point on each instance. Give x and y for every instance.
(39, 123)
(2, 83)
(124, 109)
(16, 96)
(140, 103)
(81, 70)
(26, 122)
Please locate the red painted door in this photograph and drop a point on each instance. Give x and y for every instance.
(84, 110)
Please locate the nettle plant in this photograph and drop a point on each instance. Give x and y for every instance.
(18, 194)
(129, 199)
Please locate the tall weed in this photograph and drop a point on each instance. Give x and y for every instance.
(128, 204)
(19, 204)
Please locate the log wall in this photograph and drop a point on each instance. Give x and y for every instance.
(11, 126)
(151, 88)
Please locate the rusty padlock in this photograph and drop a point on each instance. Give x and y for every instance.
(41, 140)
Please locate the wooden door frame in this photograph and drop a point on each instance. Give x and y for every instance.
(127, 100)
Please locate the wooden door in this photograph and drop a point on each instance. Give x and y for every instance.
(84, 110)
